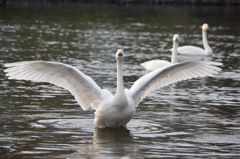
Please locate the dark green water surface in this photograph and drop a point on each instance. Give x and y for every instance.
(198, 118)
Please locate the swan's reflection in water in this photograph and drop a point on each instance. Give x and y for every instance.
(107, 143)
(112, 136)
(114, 142)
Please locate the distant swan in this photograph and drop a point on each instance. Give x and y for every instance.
(111, 111)
(193, 50)
(155, 64)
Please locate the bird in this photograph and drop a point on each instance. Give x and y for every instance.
(193, 50)
(111, 111)
(155, 64)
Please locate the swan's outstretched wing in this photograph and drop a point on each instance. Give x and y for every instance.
(81, 86)
(171, 74)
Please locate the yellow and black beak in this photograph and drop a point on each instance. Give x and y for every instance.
(120, 52)
(175, 38)
(205, 26)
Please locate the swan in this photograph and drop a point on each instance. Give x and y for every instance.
(193, 50)
(112, 111)
(155, 64)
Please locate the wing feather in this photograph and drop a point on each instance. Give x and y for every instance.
(81, 86)
(171, 74)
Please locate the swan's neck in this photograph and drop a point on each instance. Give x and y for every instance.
(120, 99)
(120, 87)
(205, 43)
(174, 53)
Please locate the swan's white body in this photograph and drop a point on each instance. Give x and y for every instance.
(111, 111)
(155, 64)
(193, 50)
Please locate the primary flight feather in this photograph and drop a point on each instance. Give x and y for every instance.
(111, 110)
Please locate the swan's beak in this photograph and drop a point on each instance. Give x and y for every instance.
(120, 52)
(175, 38)
(205, 26)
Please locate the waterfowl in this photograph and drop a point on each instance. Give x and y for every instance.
(155, 64)
(193, 50)
(111, 110)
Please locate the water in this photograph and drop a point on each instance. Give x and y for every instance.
(198, 118)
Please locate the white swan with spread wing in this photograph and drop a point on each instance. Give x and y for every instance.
(155, 64)
(193, 50)
(111, 110)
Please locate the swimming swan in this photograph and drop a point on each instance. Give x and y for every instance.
(111, 111)
(193, 50)
(155, 64)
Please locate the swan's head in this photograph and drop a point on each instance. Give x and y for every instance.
(205, 27)
(119, 54)
(175, 38)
